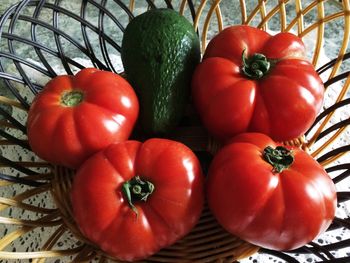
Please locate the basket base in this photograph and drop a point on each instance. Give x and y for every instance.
(207, 242)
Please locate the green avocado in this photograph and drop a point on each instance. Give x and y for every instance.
(160, 50)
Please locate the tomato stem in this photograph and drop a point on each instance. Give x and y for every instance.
(280, 158)
(72, 98)
(136, 190)
(256, 66)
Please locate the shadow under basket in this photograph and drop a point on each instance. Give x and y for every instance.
(42, 39)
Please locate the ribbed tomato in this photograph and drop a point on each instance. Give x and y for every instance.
(133, 198)
(75, 116)
(272, 196)
(252, 81)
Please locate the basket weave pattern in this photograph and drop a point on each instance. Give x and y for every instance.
(35, 200)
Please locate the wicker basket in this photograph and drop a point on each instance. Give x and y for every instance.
(41, 39)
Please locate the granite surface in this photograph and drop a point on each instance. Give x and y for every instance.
(78, 47)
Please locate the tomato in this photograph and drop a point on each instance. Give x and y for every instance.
(269, 195)
(133, 198)
(75, 116)
(252, 81)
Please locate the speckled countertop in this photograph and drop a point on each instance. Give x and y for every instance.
(231, 14)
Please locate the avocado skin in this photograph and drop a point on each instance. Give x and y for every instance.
(160, 51)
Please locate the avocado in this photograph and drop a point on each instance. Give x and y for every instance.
(160, 50)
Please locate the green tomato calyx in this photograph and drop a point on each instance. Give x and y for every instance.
(280, 158)
(72, 98)
(136, 190)
(256, 66)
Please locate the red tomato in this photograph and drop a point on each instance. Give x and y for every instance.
(75, 116)
(273, 90)
(133, 199)
(269, 195)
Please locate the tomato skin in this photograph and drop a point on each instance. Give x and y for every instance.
(275, 210)
(67, 135)
(283, 103)
(101, 209)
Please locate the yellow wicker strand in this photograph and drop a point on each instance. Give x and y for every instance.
(268, 16)
(326, 19)
(331, 160)
(340, 56)
(312, 140)
(299, 142)
(328, 142)
(132, 5)
(283, 15)
(182, 7)
(31, 192)
(23, 222)
(246, 250)
(6, 202)
(253, 14)
(198, 15)
(243, 12)
(4, 183)
(13, 236)
(39, 260)
(51, 242)
(346, 38)
(299, 16)
(39, 254)
(320, 33)
(219, 17)
(213, 7)
(263, 14)
(6, 240)
(11, 102)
